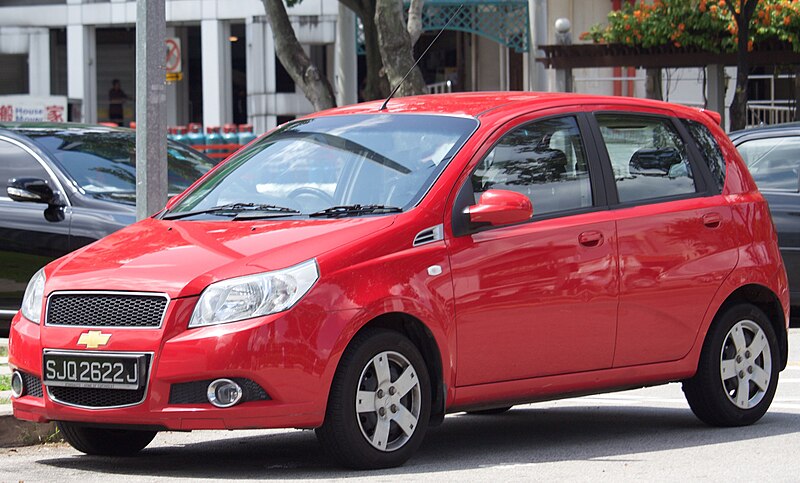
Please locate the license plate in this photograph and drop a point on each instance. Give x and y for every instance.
(94, 370)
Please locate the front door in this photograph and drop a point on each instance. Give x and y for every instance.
(30, 235)
(537, 298)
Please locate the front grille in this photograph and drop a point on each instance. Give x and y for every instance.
(96, 398)
(33, 385)
(106, 309)
(196, 392)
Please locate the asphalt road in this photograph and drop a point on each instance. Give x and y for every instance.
(646, 434)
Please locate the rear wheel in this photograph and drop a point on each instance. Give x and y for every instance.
(738, 370)
(105, 442)
(379, 402)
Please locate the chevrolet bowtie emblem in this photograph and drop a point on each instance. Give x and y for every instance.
(93, 339)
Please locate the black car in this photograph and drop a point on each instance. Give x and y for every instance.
(772, 154)
(67, 185)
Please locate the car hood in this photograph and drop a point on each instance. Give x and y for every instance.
(181, 258)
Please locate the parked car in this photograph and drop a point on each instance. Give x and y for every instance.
(772, 154)
(364, 271)
(65, 186)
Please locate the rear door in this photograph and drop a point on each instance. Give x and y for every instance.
(540, 297)
(676, 235)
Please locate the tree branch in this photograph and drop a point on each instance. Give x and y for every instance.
(415, 20)
(304, 73)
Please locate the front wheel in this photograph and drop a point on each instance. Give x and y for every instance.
(738, 370)
(105, 442)
(379, 404)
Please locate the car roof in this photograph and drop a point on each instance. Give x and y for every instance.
(767, 131)
(477, 104)
(45, 128)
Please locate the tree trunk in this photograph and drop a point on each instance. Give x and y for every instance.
(415, 20)
(376, 86)
(738, 109)
(396, 50)
(305, 74)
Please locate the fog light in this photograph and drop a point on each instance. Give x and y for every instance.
(224, 393)
(17, 385)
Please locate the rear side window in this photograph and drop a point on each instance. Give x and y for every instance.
(774, 162)
(710, 151)
(544, 160)
(648, 157)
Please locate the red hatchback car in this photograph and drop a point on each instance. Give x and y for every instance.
(365, 271)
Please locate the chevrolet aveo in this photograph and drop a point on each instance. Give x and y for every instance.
(365, 271)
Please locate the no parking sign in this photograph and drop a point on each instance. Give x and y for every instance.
(174, 64)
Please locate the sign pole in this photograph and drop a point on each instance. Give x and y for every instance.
(151, 112)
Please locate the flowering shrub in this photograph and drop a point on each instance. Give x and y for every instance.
(704, 24)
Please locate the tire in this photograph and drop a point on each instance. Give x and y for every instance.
(489, 412)
(738, 369)
(371, 422)
(105, 442)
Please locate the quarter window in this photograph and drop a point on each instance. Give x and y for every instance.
(774, 162)
(710, 151)
(545, 161)
(648, 157)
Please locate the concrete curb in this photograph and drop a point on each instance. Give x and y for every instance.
(14, 432)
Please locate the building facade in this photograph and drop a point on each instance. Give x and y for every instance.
(230, 74)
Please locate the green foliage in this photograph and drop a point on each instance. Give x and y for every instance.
(5, 383)
(708, 25)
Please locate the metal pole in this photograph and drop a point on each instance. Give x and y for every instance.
(151, 108)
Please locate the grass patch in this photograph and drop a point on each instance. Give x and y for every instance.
(3, 351)
(5, 383)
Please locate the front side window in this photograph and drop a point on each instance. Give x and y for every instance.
(387, 160)
(648, 157)
(774, 162)
(545, 161)
(16, 163)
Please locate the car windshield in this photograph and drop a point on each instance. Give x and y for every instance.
(335, 166)
(103, 163)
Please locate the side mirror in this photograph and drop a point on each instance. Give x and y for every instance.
(501, 207)
(31, 190)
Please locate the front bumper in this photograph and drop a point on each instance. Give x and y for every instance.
(289, 355)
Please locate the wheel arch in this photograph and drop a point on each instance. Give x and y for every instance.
(766, 300)
(423, 338)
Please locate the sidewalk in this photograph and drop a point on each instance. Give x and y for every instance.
(14, 432)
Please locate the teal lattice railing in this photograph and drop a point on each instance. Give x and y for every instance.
(505, 22)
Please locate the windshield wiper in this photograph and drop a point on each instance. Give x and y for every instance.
(236, 209)
(355, 210)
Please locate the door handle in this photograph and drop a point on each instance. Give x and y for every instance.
(590, 238)
(712, 220)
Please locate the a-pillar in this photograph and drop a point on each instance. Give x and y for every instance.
(217, 87)
(39, 62)
(82, 70)
(260, 75)
(715, 90)
(346, 68)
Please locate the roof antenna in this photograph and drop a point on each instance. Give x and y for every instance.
(394, 91)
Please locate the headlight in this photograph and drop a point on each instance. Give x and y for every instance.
(32, 301)
(254, 295)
